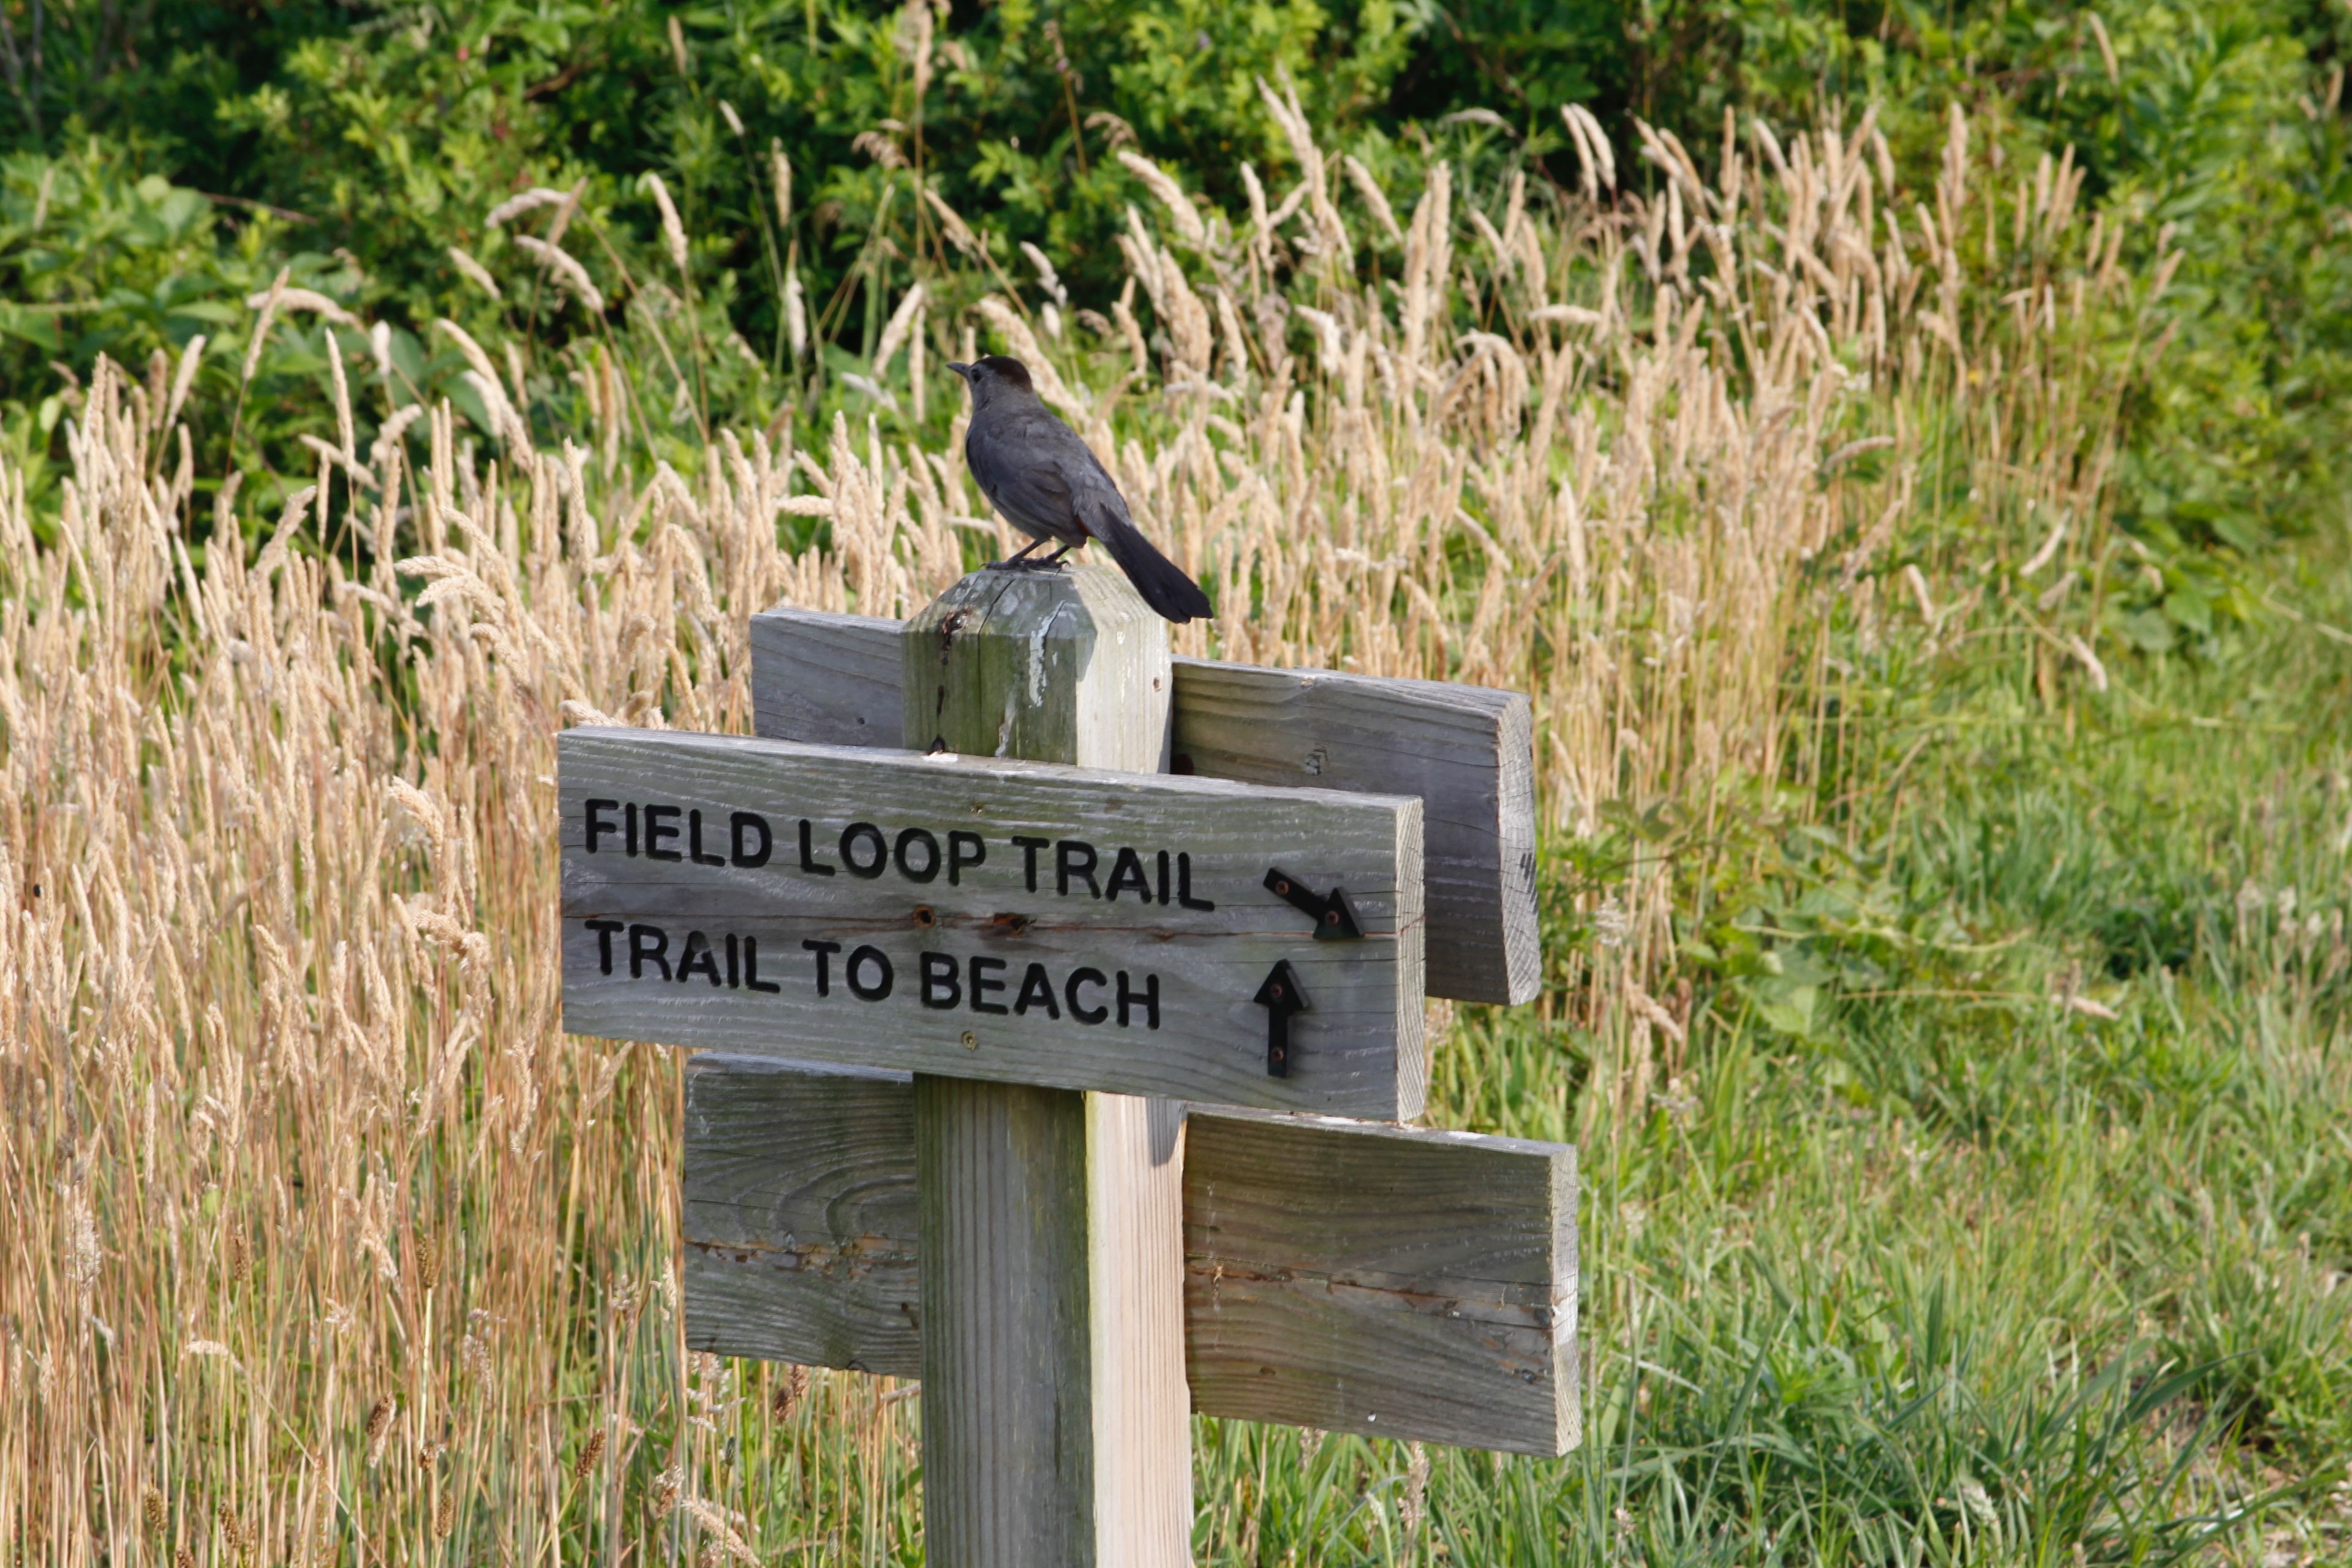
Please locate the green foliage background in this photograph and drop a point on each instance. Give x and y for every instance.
(356, 142)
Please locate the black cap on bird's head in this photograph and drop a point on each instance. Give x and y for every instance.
(992, 372)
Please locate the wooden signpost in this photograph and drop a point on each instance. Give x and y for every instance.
(1062, 1005)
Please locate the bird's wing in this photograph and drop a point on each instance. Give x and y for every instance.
(1064, 466)
(1094, 496)
(1022, 468)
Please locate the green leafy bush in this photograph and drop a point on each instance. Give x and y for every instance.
(832, 153)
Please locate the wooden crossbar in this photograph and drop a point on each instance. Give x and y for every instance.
(1351, 1276)
(1467, 751)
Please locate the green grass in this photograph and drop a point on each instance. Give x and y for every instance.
(1955, 1270)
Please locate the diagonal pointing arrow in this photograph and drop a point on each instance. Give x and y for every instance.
(1335, 920)
(1280, 996)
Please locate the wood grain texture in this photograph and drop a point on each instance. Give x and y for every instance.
(799, 1215)
(1008, 1379)
(1467, 751)
(1142, 1434)
(1351, 1276)
(825, 678)
(1359, 1051)
(1054, 1430)
(1056, 667)
(815, 676)
(1395, 1281)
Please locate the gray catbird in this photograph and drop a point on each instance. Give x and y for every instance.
(1046, 481)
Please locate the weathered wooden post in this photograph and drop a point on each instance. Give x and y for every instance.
(1056, 1421)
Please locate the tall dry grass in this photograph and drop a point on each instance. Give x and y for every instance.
(322, 1243)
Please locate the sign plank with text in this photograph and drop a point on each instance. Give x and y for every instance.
(1018, 922)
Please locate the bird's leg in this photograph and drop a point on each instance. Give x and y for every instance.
(1055, 557)
(1018, 560)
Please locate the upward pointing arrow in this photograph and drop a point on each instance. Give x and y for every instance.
(1280, 996)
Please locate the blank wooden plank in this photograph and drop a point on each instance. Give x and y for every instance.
(1391, 1280)
(827, 680)
(1351, 1276)
(1467, 751)
(800, 1218)
(1190, 1027)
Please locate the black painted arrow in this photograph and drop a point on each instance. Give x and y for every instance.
(1335, 921)
(1281, 997)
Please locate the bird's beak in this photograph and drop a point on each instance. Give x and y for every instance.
(962, 370)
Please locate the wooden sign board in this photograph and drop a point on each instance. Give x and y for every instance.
(1342, 1275)
(977, 918)
(965, 942)
(1465, 752)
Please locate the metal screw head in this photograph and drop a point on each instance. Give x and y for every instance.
(1330, 917)
(1275, 991)
(1282, 889)
(924, 916)
(970, 1041)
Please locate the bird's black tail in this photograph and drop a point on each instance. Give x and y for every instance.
(1160, 581)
